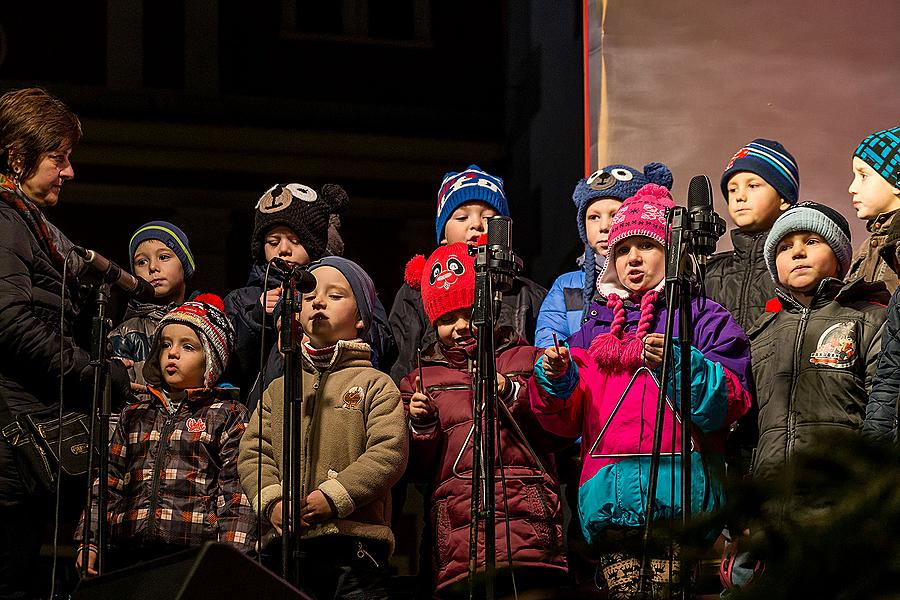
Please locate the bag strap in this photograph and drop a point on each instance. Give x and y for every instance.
(9, 426)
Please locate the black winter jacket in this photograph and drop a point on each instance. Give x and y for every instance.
(881, 411)
(133, 337)
(739, 279)
(30, 338)
(814, 367)
(412, 330)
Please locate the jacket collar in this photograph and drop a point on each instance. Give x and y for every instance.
(437, 354)
(744, 241)
(832, 288)
(882, 223)
(347, 353)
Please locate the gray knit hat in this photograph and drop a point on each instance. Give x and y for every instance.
(817, 218)
(360, 282)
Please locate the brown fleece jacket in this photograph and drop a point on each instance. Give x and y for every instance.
(354, 443)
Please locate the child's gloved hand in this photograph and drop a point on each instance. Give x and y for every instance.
(421, 406)
(270, 299)
(555, 361)
(653, 350)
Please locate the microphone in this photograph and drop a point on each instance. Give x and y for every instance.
(306, 281)
(116, 275)
(705, 226)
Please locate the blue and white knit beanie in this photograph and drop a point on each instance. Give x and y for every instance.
(881, 150)
(771, 161)
(470, 185)
(168, 234)
(817, 218)
(617, 182)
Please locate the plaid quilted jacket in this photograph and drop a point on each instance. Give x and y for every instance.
(173, 475)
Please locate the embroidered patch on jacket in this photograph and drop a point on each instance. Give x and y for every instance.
(196, 425)
(836, 347)
(352, 397)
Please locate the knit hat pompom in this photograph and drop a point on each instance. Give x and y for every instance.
(816, 218)
(447, 280)
(303, 210)
(412, 275)
(205, 314)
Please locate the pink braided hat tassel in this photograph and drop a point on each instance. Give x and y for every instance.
(633, 351)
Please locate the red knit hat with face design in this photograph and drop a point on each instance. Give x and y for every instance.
(446, 279)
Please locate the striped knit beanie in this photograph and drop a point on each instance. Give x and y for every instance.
(771, 161)
(817, 218)
(168, 234)
(205, 314)
(881, 150)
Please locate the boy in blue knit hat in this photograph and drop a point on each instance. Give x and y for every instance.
(875, 194)
(466, 200)
(759, 183)
(161, 255)
(596, 198)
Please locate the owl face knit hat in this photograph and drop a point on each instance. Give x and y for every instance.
(205, 314)
(881, 150)
(170, 235)
(771, 161)
(817, 218)
(470, 185)
(643, 214)
(303, 210)
(446, 279)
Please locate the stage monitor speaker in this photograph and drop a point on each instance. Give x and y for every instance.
(210, 572)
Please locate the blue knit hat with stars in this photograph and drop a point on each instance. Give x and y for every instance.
(471, 185)
(618, 182)
(881, 150)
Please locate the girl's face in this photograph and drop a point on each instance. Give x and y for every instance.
(155, 263)
(181, 357)
(640, 263)
(454, 327)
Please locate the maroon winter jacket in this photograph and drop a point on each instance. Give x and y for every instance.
(532, 493)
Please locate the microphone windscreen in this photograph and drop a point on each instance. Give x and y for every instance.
(700, 193)
(499, 232)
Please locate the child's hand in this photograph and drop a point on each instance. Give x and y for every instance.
(92, 561)
(275, 516)
(555, 363)
(653, 350)
(317, 509)
(501, 383)
(421, 405)
(270, 299)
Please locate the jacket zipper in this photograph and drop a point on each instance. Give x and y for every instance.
(748, 274)
(161, 451)
(791, 421)
(320, 375)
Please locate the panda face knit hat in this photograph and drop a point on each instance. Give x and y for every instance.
(817, 218)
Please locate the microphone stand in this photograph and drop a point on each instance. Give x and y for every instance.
(99, 347)
(678, 294)
(495, 267)
(290, 468)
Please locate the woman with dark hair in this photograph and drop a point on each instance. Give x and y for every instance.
(37, 135)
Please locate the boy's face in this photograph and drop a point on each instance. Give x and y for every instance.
(803, 259)
(597, 218)
(283, 242)
(155, 263)
(329, 312)
(752, 203)
(468, 222)
(454, 327)
(640, 263)
(181, 357)
(870, 193)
